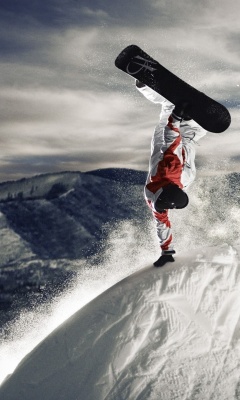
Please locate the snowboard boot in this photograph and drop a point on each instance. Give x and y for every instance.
(181, 112)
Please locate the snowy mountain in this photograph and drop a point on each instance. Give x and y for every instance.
(167, 333)
(49, 221)
(64, 215)
(204, 276)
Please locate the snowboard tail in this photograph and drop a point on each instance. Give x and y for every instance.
(208, 113)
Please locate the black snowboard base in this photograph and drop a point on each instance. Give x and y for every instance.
(208, 113)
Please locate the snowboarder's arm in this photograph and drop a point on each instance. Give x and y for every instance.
(149, 93)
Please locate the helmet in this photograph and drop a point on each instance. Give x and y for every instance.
(171, 197)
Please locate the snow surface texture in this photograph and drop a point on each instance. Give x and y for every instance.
(167, 333)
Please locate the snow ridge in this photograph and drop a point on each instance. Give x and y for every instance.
(167, 333)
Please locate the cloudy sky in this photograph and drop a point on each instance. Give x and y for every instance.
(65, 106)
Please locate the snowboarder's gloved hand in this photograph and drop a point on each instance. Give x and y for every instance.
(182, 111)
(164, 258)
(139, 84)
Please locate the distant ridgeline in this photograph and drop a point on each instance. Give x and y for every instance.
(62, 215)
(53, 185)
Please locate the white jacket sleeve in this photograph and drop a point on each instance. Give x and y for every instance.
(151, 95)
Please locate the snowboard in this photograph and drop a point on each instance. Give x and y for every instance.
(208, 113)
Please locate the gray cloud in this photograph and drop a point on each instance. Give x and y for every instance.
(64, 13)
(63, 101)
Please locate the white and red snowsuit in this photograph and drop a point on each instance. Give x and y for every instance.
(172, 161)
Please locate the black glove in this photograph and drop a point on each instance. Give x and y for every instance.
(139, 84)
(182, 111)
(165, 258)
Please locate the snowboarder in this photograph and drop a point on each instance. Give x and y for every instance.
(171, 166)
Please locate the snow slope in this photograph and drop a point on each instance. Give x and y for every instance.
(167, 333)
